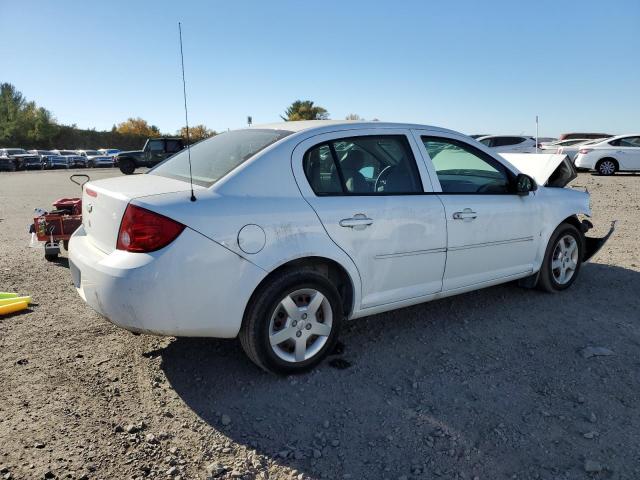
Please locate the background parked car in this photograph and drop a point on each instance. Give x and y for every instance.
(21, 159)
(44, 156)
(509, 143)
(568, 147)
(96, 159)
(109, 151)
(567, 136)
(545, 140)
(7, 163)
(155, 150)
(617, 154)
(73, 159)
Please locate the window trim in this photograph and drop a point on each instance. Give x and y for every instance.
(466, 146)
(334, 157)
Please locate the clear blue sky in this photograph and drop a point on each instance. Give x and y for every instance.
(474, 66)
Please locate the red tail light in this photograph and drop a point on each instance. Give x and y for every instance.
(144, 231)
(584, 150)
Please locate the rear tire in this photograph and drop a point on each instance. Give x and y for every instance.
(607, 166)
(562, 259)
(127, 166)
(292, 322)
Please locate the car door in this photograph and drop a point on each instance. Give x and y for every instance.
(368, 191)
(628, 153)
(155, 152)
(492, 233)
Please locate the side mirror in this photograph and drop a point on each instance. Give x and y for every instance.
(525, 184)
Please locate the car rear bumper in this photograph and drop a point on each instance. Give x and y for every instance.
(193, 287)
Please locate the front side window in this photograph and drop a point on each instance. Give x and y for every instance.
(367, 165)
(213, 158)
(463, 169)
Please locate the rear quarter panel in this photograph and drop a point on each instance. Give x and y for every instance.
(261, 192)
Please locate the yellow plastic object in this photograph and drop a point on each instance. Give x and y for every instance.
(13, 307)
(8, 295)
(6, 301)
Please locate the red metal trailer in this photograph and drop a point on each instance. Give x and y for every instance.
(55, 227)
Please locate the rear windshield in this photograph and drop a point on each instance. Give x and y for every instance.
(213, 158)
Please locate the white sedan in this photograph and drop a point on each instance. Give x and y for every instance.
(509, 143)
(611, 155)
(293, 228)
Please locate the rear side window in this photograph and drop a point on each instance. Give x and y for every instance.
(506, 141)
(213, 158)
(367, 165)
(626, 142)
(174, 146)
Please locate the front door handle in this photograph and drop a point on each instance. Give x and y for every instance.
(467, 215)
(358, 222)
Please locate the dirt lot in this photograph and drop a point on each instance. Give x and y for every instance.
(488, 385)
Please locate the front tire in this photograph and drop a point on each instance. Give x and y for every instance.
(292, 322)
(562, 259)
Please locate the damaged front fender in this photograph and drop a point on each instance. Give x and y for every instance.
(594, 244)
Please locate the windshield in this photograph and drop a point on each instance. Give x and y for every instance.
(92, 152)
(15, 151)
(213, 158)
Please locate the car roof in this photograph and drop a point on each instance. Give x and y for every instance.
(608, 139)
(501, 136)
(333, 125)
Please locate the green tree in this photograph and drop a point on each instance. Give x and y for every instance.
(196, 133)
(23, 123)
(138, 127)
(354, 116)
(304, 110)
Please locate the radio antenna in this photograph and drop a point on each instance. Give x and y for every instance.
(186, 115)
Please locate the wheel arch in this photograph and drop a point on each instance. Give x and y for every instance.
(331, 269)
(613, 159)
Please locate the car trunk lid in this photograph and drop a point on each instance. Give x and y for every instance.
(104, 203)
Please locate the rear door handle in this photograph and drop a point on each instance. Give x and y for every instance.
(358, 222)
(467, 214)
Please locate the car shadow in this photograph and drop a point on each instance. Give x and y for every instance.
(60, 262)
(451, 387)
(617, 174)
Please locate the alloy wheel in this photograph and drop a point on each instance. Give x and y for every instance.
(300, 325)
(607, 167)
(564, 260)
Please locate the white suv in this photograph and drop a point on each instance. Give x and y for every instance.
(509, 143)
(621, 153)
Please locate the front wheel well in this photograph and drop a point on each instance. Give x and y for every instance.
(582, 228)
(331, 269)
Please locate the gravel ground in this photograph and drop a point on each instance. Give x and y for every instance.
(488, 385)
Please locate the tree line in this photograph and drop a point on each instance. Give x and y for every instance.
(24, 124)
